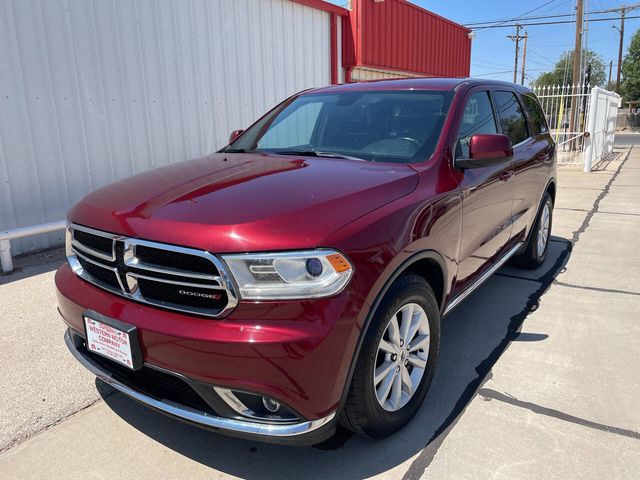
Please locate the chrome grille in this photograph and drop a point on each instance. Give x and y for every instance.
(167, 276)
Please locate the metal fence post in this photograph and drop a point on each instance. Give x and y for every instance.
(591, 128)
(5, 256)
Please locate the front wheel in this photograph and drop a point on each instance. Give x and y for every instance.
(536, 251)
(397, 360)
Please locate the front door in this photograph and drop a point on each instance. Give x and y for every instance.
(487, 196)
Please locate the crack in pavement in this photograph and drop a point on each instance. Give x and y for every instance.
(17, 441)
(489, 394)
(595, 289)
(569, 285)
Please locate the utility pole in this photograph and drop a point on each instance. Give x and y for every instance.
(623, 11)
(524, 57)
(587, 83)
(610, 68)
(577, 57)
(515, 60)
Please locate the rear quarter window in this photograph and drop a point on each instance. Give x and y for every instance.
(535, 113)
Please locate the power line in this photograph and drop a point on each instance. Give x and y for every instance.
(500, 22)
(596, 12)
(562, 45)
(489, 63)
(508, 71)
(536, 53)
(537, 62)
(563, 22)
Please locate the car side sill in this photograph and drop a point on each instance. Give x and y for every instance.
(193, 415)
(456, 301)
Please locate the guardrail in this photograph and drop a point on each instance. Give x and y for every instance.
(7, 235)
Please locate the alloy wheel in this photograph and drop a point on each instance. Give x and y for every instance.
(543, 229)
(402, 357)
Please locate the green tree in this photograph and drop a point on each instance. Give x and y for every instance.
(630, 87)
(562, 72)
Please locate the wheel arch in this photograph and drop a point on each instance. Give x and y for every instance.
(551, 189)
(426, 262)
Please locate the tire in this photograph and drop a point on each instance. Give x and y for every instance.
(534, 255)
(409, 297)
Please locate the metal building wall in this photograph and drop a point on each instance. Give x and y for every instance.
(96, 90)
(400, 36)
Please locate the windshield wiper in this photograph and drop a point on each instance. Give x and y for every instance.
(316, 153)
(241, 150)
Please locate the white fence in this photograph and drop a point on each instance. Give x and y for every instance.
(601, 125)
(582, 121)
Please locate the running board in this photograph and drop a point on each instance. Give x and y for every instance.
(456, 301)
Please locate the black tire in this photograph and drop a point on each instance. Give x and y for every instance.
(531, 258)
(362, 413)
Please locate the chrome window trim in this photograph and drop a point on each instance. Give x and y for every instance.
(75, 250)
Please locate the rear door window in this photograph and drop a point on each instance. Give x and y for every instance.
(536, 115)
(478, 117)
(512, 120)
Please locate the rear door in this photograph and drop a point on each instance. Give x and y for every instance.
(487, 195)
(532, 172)
(513, 123)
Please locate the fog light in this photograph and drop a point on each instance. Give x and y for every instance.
(270, 404)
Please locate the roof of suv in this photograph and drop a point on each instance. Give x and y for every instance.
(420, 84)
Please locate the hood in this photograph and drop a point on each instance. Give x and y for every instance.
(244, 202)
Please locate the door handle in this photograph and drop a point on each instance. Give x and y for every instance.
(506, 175)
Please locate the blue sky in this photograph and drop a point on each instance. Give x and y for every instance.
(492, 53)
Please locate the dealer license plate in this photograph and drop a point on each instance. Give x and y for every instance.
(109, 342)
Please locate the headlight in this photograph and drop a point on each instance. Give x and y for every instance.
(292, 275)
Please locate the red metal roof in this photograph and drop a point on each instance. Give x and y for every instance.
(398, 35)
(325, 6)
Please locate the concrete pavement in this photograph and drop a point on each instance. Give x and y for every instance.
(39, 382)
(539, 376)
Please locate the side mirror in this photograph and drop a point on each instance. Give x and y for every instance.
(235, 134)
(486, 150)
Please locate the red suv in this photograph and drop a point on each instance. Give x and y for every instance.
(298, 277)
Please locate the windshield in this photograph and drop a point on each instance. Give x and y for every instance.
(387, 126)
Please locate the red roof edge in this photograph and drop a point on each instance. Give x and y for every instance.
(324, 6)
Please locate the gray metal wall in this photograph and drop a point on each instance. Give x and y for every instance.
(96, 90)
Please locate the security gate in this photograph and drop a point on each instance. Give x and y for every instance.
(582, 121)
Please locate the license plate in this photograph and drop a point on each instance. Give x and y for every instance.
(113, 343)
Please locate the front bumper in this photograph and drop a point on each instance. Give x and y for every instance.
(296, 352)
(311, 430)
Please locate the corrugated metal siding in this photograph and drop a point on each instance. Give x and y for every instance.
(342, 24)
(398, 35)
(360, 74)
(93, 91)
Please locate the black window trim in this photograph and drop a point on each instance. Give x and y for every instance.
(524, 114)
(482, 89)
(528, 116)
